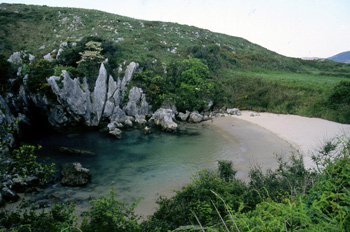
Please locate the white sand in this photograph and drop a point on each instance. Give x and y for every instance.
(305, 134)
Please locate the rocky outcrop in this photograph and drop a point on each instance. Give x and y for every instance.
(184, 116)
(195, 117)
(99, 96)
(114, 130)
(78, 104)
(234, 111)
(75, 175)
(165, 119)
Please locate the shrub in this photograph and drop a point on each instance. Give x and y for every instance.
(108, 214)
(59, 218)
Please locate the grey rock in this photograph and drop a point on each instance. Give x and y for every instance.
(99, 96)
(164, 118)
(129, 72)
(195, 117)
(147, 130)
(137, 104)
(114, 130)
(184, 116)
(140, 120)
(73, 96)
(75, 175)
(48, 57)
(113, 97)
(232, 111)
(15, 58)
(118, 115)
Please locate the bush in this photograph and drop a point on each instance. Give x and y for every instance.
(59, 218)
(108, 214)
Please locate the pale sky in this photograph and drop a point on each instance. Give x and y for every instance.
(295, 28)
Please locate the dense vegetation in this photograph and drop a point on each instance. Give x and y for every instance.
(290, 198)
(232, 72)
(189, 67)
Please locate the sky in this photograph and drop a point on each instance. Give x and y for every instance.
(295, 28)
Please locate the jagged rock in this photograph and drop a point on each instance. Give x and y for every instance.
(99, 96)
(134, 100)
(140, 120)
(74, 151)
(184, 116)
(195, 117)
(15, 58)
(137, 104)
(75, 175)
(147, 130)
(113, 97)
(118, 115)
(129, 72)
(9, 195)
(114, 130)
(164, 118)
(74, 97)
(48, 57)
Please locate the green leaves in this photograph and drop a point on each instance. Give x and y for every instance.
(109, 214)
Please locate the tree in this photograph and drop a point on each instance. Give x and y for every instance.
(192, 85)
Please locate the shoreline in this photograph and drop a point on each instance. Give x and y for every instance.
(304, 134)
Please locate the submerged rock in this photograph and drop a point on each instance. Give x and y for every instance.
(75, 175)
(74, 151)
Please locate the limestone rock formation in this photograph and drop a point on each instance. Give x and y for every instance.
(195, 117)
(184, 116)
(164, 118)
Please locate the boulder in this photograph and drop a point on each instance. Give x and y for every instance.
(164, 118)
(184, 116)
(147, 130)
(195, 117)
(140, 120)
(75, 175)
(15, 58)
(114, 130)
(9, 195)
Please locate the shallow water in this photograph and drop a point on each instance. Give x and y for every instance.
(147, 166)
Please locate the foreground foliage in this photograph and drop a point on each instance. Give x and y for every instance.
(290, 198)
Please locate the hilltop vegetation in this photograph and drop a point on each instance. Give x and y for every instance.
(238, 73)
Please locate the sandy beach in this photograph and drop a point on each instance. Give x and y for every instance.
(305, 134)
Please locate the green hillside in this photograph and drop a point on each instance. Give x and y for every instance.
(241, 74)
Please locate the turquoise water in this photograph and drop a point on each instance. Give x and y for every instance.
(148, 166)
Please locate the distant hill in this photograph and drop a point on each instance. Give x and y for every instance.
(343, 57)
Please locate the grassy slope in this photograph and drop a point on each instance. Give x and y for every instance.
(250, 76)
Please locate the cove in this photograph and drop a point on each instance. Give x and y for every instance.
(149, 166)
